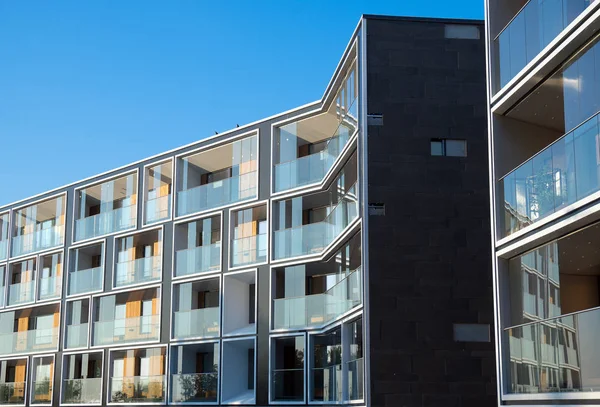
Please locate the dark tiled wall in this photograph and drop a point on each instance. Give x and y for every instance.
(429, 255)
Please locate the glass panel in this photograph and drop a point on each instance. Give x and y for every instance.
(82, 391)
(77, 335)
(530, 31)
(287, 376)
(249, 250)
(196, 323)
(318, 309)
(138, 271)
(215, 194)
(137, 389)
(195, 387)
(198, 260)
(28, 341)
(126, 330)
(85, 281)
(158, 209)
(107, 222)
(12, 393)
(38, 240)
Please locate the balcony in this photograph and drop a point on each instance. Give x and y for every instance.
(21, 293)
(313, 238)
(249, 250)
(319, 309)
(561, 174)
(158, 209)
(34, 340)
(12, 393)
(86, 281)
(138, 389)
(217, 194)
(127, 330)
(327, 382)
(313, 168)
(356, 374)
(105, 223)
(143, 270)
(196, 323)
(194, 387)
(554, 349)
(38, 240)
(535, 26)
(82, 391)
(77, 336)
(3, 249)
(201, 259)
(287, 384)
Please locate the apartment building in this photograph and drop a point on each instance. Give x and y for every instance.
(334, 254)
(544, 85)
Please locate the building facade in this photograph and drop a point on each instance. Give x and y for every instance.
(543, 90)
(239, 270)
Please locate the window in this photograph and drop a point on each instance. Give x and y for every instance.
(462, 32)
(450, 148)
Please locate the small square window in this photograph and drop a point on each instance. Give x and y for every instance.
(450, 148)
(462, 32)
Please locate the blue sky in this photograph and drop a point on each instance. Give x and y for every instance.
(86, 86)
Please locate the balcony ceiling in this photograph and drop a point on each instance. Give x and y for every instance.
(579, 253)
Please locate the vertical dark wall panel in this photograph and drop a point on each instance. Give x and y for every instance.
(430, 261)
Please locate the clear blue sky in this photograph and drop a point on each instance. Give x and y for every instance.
(86, 86)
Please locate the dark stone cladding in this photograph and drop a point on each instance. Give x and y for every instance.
(429, 256)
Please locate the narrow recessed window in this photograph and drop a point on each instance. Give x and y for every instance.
(462, 32)
(471, 332)
(450, 148)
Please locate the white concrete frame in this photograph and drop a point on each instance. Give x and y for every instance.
(212, 146)
(110, 367)
(157, 287)
(227, 276)
(70, 250)
(194, 279)
(190, 220)
(12, 224)
(146, 167)
(75, 218)
(222, 367)
(160, 228)
(230, 234)
(216, 341)
(62, 376)
(271, 339)
(64, 323)
(32, 373)
(27, 380)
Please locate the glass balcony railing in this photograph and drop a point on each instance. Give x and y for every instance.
(138, 271)
(356, 374)
(196, 323)
(194, 387)
(85, 281)
(563, 173)
(287, 384)
(49, 287)
(315, 237)
(158, 209)
(328, 381)
(216, 194)
(137, 389)
(200, 259)
(12, 393)
(107, 222)
(319, 309)
(249, 250)
(38, 240)
(560, 348)
(21, 293)
(42, 392)
(312, 168)
(28, 341)
(3, 249)
(529, 32)
(77, 335)
(82, 391)
(126, 330)
(2, 295)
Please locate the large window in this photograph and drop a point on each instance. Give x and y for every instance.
(195, 373)
(38, 227)
(157, 194)
(198, 246)
(287, 369)
(82, 378)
